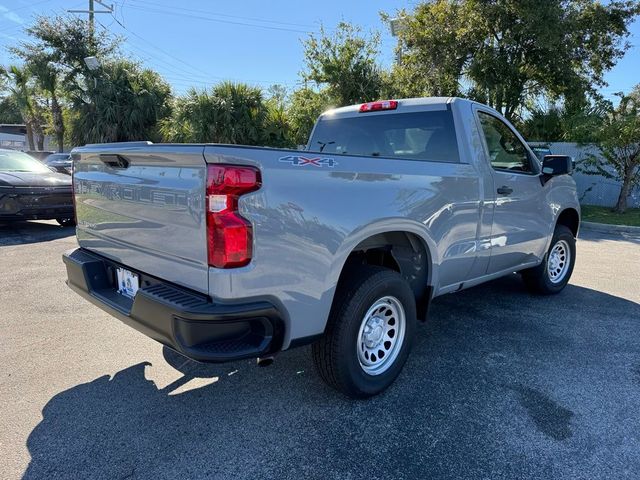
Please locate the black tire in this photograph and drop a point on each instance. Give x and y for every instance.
(538, 280)
(66, 222)
(335, 354)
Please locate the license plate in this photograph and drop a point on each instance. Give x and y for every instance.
(128, 283)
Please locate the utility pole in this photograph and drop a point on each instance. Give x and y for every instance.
(91, 19)
(92, 11)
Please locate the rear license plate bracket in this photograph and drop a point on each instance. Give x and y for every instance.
(128, 282)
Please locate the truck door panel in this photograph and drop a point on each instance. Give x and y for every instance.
(520, 228)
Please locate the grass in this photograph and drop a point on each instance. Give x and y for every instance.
(592, 213)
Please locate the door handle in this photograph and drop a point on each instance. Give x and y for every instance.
(114, 161)
(504, 190)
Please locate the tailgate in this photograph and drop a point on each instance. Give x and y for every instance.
(142, 205)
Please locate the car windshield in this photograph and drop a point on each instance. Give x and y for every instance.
(56, 157)
(21, 162)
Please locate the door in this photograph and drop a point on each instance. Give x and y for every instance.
(520, 227)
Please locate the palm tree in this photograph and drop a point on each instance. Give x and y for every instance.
(227, 113)
(47, 77)
(125, 103)
(20, 88)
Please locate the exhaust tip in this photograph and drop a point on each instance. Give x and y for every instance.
(264, 361)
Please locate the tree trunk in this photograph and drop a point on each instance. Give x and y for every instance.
(621, 205)
(38, 133)
(60, 140)
(32, 145)
(58, 121)
(40, 141)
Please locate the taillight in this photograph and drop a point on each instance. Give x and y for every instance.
(229, 235)
(377, 106)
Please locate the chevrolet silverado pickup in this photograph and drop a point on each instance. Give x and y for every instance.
(224, 252)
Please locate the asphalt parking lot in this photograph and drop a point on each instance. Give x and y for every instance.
(500, 384)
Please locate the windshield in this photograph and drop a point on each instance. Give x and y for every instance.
(21, 162)
(57, 157)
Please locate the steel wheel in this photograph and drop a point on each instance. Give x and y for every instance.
(381, 335)
(558, 261)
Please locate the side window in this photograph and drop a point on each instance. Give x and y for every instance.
(506, 152)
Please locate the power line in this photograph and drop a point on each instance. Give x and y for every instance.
(92, 11)
(217, 20)
(161, 50)
(203, 82)
(201, 73)
(254, 19)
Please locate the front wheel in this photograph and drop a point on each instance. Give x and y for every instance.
(369, 332)
(553, 274)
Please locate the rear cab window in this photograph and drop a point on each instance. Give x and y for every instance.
(428, 136)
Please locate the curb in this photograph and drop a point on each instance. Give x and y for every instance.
(607, 228)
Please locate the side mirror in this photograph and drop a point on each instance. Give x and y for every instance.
(553, 165)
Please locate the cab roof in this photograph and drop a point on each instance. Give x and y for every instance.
(404, 105)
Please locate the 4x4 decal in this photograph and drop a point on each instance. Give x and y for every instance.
(300, 161)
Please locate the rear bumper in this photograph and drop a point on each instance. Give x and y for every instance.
(183, 320)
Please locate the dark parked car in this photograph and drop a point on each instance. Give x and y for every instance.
(30, 190)
(61, 162)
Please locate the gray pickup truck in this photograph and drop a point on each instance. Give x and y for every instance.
(223, 252)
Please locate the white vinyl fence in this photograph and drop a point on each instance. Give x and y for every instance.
(593, 189)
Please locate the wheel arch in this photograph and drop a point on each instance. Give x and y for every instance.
(405, 249)
(570, 218)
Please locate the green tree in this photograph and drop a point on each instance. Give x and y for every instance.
(9, 112)
(22, 94)
(277, 123)
(125, 103)
(436, 43)
(67, 41)
(192, 118)
(565, 123)
(241, 112)
(54, 55)
(345, 63)
(227, 113)
(620, 147)
(305, 107)
(504, 52)
(48, 79)
(543, 125)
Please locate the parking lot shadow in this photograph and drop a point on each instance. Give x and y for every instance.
(500, 384)
(22, 233)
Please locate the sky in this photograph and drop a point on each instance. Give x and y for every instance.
(200, 42)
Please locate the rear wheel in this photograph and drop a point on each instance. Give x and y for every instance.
(553, 274)
(66, 222)
(369, 332)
